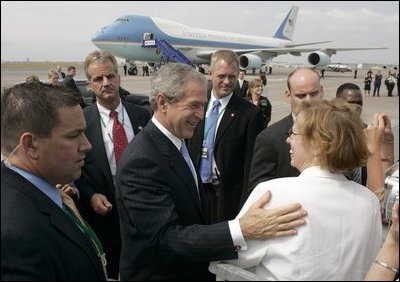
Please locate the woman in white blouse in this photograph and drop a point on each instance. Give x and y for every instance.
(343, 232)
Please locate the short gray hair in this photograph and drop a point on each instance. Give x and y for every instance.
(170, 80)
(100, 56)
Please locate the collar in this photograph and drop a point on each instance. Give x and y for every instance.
(105, 113)
(44, 186)
(224, 101)
(175, 140)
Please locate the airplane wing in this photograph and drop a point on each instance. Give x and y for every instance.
(254, 58)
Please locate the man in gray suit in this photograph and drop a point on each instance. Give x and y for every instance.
(159, 194)
(271, 157)
(43, 140)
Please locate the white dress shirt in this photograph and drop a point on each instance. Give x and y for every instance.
(106, 124)
(340, 240)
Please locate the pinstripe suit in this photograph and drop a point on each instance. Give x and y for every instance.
(161, 215)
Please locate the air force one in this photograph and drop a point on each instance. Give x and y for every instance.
(132, 37)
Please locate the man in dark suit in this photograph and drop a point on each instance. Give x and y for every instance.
(237, 127)
(69, 82)
(97, 182)
(271, 157)
(159, 195)
(242, 85)
(43, 140)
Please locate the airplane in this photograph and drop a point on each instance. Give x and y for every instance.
(128, 38)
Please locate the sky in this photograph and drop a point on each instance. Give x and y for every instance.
(62, 30)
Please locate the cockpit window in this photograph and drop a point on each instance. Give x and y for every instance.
(122, 20)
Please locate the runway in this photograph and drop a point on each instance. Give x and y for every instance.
(276, 86)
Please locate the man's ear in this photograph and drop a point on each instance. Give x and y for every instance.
(161, 101)
(29, 144)
(288, 96)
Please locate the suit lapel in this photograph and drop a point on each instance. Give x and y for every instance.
(176, 161)
(230, 114)
(95, 136)
(136, 120)
(66, 226)
(58, 219)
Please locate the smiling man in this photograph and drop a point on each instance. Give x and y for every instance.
(160, 197)
(222, 145)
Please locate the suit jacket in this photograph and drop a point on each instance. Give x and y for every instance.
(271, 158)
(38, 240)
(161, 215)
(69, 82)
(241, 92)
(233, 150)
(96, 178)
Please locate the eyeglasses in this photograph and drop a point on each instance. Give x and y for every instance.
(291, 132)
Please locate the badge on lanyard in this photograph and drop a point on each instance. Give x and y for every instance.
(204, 152)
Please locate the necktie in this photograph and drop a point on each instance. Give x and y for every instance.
(185, 154)
(72, 211)
(208, 143)
(119, 136)
(69, 203)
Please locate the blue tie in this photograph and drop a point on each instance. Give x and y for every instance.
(208, 143)
(185, 154)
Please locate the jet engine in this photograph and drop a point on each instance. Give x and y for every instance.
(319, 59)
(249, 61)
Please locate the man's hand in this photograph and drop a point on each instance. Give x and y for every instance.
(260, 223)
(100, 204)
(67, 188)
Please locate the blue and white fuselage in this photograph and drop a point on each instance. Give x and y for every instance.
(124, 38)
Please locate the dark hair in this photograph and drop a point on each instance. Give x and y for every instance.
(31, 107)
(348, 85)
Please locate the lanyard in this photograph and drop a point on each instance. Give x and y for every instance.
(91, 235)
(105, 126)
(87, 230)
(206, 131)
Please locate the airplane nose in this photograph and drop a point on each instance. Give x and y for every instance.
(99, 36)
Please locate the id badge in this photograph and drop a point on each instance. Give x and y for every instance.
(204, 153)
(104, 263)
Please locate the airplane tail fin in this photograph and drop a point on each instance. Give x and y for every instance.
(285, 30)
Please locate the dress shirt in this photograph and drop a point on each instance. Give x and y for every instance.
(107, 131)
(44, 186)
(340, 240)
(234, 226)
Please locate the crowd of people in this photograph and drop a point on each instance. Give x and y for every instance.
(116, 191)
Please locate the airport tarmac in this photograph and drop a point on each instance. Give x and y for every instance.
(11, 74)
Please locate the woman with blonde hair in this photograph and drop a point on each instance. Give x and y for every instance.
(343, 232)
(254, 96)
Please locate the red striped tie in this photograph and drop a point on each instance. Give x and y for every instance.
(119, 136)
